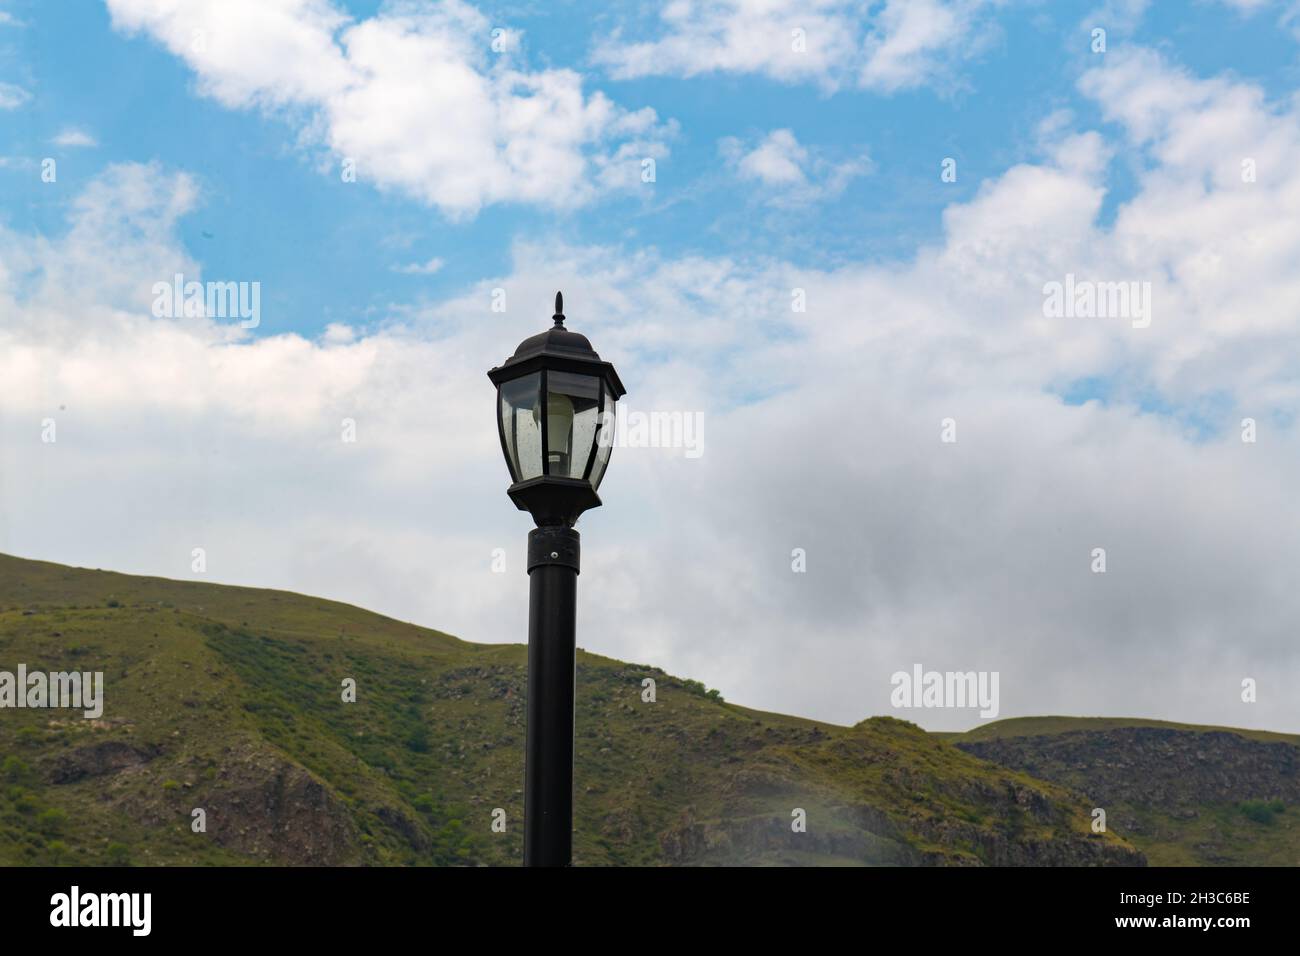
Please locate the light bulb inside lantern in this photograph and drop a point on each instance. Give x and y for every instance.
(559, 432)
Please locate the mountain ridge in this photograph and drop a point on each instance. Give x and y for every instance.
(227, 699)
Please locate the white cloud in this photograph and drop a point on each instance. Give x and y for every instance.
(12, 97)
(1126, 15)
(421, 268)
(1247, 6)
(912, 40)
(777, 161)
(833, 43)
(788, 171)
(974, 555)
(1115, 16)
(413, 96)
(75, 139)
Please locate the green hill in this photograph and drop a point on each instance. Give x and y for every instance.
(1049, 726)
(229, 700)
(1184, 794)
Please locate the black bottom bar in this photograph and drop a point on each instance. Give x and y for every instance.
(974, 907)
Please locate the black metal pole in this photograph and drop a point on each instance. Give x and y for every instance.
(548, 760)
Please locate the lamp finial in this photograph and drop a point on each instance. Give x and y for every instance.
(559, 310)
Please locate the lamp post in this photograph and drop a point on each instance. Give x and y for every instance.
(555, 416)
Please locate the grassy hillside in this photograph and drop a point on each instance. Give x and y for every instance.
(1048, 726)
(229, 700)
(1185, 794)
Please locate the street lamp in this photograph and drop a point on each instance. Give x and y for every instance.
(555, 416)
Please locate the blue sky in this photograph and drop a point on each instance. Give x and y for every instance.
(266, 210)
(208, 135)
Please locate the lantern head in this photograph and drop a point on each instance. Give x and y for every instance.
(555, 416)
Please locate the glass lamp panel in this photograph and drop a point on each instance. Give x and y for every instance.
(604, 442)
(572, 411)
(521, 426)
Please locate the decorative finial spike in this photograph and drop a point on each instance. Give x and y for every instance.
(559, 310)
